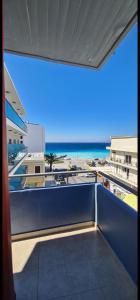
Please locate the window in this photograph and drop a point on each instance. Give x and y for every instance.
(21, 137)
(10, 141)
(127, 173)
(128, 159)
(37, 169)
(21, 142)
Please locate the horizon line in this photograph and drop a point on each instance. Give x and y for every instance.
(77, 142)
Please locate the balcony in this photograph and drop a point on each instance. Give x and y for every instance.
(15, 148)
(16, 152)
(73, 242)
(18, 182)
(123, 163)
(12, 115)
(133, 164)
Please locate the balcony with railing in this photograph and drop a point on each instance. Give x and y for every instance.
(12, 115)
(16, 153)
(77, 241)
(123, 162)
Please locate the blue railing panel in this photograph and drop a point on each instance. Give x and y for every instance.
(44, 208)
(16, 152)
(12, 115)
(17, 183)
(15, 148)
(118, 223)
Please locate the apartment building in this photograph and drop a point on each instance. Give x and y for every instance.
(15, 124)
(123, 159)
(35, 140)
(34, 163)
(25, 142)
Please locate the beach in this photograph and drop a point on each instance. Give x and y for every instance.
(67, 162)
(78, 155)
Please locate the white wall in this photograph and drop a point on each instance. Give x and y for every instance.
(121, 156)
(13, 136)
(128, 144)
(35, 139)
(31, 169)
(119, 171)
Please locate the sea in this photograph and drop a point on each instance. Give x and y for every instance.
(78, 150)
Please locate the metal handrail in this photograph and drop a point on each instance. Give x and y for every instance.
(124, 163)
(94, 170)
(15, 167)
(122, 188)
(52, 173)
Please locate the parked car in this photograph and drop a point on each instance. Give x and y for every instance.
(60, 182)
(59, 177)
(90, 175)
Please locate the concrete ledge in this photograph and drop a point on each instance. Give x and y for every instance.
(50, 231)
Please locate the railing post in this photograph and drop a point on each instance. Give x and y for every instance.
(96, 177)
(96, 204)
(67, 179)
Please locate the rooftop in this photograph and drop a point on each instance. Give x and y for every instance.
(34, 156)
(123, 137)
(30, 123)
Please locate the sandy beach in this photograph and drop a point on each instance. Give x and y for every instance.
(67, 162)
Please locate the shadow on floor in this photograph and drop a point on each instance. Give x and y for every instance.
(80, 267)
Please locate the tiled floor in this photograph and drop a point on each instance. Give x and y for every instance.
(78, 267)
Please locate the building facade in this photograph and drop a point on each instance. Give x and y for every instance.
(25, 141)
(34, 163)
(16, 127)
(35, 140)
(123, 159)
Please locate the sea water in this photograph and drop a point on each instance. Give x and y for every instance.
(78, 150)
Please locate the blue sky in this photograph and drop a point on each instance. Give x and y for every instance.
(78, 104)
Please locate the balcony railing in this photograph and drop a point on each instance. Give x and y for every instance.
(12, 115)
(123, 162)
(16, 153)
(55, 178)
(18, 182)
(35, 212)
(15, 148)
(133, 164)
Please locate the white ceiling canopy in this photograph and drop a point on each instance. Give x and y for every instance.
(11, 94)
(77, 32)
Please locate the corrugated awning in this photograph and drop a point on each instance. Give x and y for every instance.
(77, 32)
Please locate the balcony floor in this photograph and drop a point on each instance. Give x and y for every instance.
(76, 267)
